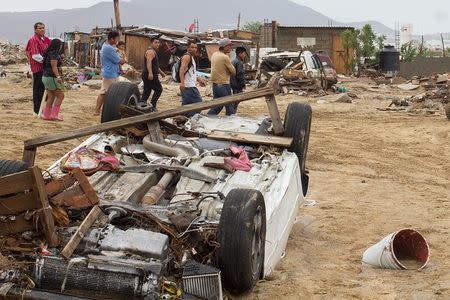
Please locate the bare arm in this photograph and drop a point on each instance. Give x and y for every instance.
(150, 56)
(54, 64)
(183, 69)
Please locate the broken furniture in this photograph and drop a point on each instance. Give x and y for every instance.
(24, 205)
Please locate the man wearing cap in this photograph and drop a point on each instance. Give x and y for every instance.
(238, 81)
(221, 71)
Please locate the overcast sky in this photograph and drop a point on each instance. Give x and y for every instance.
(430, 16)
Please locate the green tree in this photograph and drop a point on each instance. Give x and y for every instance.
(367, 40)
(350, 45)
(408, 52)
(254, 26)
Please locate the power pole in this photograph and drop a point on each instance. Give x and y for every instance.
(239, 22)
(443, 46)
(117, 15)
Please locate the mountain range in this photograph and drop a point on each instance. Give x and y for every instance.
(173, 14)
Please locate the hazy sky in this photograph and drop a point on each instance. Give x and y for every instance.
(426, 16)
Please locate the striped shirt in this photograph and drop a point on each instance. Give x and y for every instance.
(36, 45)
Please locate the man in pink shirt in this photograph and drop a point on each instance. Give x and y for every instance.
(35, 50)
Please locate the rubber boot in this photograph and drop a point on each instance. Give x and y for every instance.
(55, 113)
(46, 113)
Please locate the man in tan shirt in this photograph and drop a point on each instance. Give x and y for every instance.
(221, 71)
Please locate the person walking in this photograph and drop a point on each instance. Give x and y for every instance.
(150, 73)
(188, 77)
(221, 71)
(34, 49)
(52, 81)
(110, 68)
(237, 81)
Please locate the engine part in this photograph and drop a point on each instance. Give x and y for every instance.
(202, 281)
(142, 242)
(126, 277)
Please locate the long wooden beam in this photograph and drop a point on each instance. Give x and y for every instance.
(155, 116)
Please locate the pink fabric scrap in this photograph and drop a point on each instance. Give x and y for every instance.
(240, 161)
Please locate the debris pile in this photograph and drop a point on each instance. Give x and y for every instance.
(431, 101)
(11, 54)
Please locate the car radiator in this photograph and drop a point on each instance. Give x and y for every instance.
(202, 281)
(125, 277)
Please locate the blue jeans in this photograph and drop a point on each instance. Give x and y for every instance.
(222, 90)
(190, 95)
(236, 91)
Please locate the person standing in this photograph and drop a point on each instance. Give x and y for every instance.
(52, 81)
(188, 77)
(110, 68)
(35, 48)
(151, 72)
(237, 81)
(221, 71)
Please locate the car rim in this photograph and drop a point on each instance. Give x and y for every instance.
(133, 100)
(257, 242)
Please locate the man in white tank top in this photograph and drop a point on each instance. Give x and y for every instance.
(188, 77)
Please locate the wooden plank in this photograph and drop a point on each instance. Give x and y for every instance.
(86, 186)
(145, 118)
(16, 204)
(46, 214)
(60, 199)
(59, 185)
(274, 113)
(19, 224)
(250, 138)
(29, 156)
(15, 183)
(76, 238)
(155, 133)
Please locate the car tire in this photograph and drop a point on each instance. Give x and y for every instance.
(297, 125)
(119, 93)
(241, 252)
(8, 167)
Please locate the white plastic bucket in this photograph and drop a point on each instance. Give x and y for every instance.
(401, 250)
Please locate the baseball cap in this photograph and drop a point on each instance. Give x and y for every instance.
(224, 42)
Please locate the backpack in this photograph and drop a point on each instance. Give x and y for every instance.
(177, 66)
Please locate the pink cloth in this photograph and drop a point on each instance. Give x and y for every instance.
(36, 45)
(241, 163)
(89, 161)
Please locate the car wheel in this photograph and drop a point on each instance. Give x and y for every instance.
(119, 93)
(242, 234)
(297, 125)
(8, 167)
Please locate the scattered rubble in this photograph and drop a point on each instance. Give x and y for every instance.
(11, 54)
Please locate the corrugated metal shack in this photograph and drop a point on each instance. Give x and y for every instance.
(298, 38)
(173, 44)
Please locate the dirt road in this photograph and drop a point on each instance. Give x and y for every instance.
(371, 173)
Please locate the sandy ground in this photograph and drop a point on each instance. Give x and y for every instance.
(371, 173)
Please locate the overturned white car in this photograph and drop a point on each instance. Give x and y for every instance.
(199, 206)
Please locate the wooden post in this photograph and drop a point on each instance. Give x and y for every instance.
(443, 46)
(29, 156)
(46, 214)
(81, 231)
(117, 16)
(278, 127)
